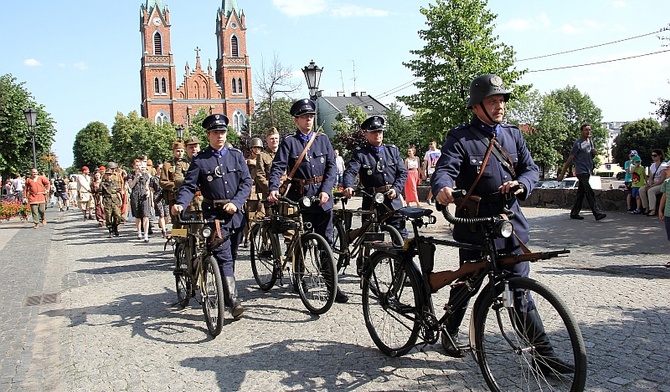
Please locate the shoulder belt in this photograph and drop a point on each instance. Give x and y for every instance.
(499, 152)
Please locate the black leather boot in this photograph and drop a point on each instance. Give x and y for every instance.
(110, 232)
(545, 357)
(116, 229)
(231, 296)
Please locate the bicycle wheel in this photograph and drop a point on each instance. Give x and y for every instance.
(181, 277)
(264, 263)
(534, 345)
(391, 304)
(340, 243)
(213, 297)
(315, 273)
(391, 235)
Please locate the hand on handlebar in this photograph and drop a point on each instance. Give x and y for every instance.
(273, 196)
(511, 187)
(176, 209)
(445, 196)
(391, 194)
(348, 192)
(323, 198)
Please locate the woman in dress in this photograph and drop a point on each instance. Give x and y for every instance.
(412, 163)
(140, 204)
(97, 197)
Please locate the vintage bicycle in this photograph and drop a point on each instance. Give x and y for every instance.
(353, 244)
(306, 257)
(196, 271)
(513, 350)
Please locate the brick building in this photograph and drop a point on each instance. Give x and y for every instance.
(224, 90)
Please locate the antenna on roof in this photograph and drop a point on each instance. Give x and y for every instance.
(341, 79)
(354, 78)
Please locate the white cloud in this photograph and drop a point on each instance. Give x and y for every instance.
(568, 29)
(32, 63)
(296, 8)
(520, 24)
(348, 10)
(619, 4)
(80, 66)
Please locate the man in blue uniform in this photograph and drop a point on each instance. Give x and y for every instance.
(315, 175)
(508, 176)
(222, 176)
(380, 169)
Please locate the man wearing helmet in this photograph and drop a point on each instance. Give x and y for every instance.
(255, 148)
(172, 176)
(224, 181)
(508, 175)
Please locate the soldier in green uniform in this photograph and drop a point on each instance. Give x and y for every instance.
(192, 149)
(172, 176)
(111, 200)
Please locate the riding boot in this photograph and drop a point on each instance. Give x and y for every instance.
(116, 229)
(546, 359)
(231, 299)
(110, 231)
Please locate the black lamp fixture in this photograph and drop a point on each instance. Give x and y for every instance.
(31, 119)
(313, 77)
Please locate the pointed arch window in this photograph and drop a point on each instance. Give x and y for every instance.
(158, 44)
(234, 49)
(156, 86)
(234, 86)
(161, 118)
(239, 85)
(163, 86)
(238, 121)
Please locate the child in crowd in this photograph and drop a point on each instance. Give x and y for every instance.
(637, 171)
(664, 207)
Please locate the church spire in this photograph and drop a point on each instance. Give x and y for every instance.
(229, 6)
(151, 4)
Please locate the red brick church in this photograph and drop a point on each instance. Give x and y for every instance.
(224, 90)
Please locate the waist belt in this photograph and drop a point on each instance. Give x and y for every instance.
(307, 181)
(218, 203)
(382, 188)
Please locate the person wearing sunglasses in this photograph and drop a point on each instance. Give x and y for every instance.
(650, 191)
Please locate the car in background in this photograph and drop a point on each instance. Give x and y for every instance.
(621, 175)
(573, 183)
(551, 184)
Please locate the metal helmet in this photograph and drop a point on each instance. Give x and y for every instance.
(256, 142)
(485, 86)
(112, 165)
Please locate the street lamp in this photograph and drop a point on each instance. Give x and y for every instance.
(31, 119)
(313, 77)
(180, 132)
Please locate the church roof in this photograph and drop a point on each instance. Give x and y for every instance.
(229, 6)
(151, 4)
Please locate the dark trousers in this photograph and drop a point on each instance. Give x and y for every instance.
(322, 223)
(584, 189)
(454, 321)
(226, 253)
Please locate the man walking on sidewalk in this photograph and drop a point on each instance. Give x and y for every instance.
(582, 154)
(37, 189)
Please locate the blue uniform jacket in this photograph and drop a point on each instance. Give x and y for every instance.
(218, 177)
(377, 169)
(319, 161)
(461, 161)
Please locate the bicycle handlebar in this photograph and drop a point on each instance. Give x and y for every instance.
(182, 221)
(460, 193)
(299, 203)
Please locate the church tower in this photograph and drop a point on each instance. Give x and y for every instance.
(233, 71)
(228, 90)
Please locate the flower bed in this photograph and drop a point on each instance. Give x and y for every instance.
(12, 209)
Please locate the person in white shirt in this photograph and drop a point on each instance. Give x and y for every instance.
(84, 193)
(429, 160)
(650, 191)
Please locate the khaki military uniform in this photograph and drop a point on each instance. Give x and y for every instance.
(111, 202)
(171, 178)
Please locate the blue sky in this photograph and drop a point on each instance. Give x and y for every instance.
(81, 59)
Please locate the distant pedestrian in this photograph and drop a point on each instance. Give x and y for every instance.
(430, 159)
(84, 193)
(637, 173)
(140, 203)
(628, 180)
(412, 163)
(652, 187)
(339, 165)
(60, 188)
(37, 190)
(582, 154)
(110, 189)
(664, 206)
(19, 184)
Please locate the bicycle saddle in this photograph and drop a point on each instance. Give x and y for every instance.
(415, 212)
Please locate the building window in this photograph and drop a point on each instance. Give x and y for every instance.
(238, 121)
(234, 86)
(239, 85)
(163, 86)
(156, 86)
(158, 44)
(162, 118)
(234, 50)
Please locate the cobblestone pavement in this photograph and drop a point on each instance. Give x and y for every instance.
(86, 313)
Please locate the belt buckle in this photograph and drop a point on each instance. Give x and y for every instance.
(218, 203)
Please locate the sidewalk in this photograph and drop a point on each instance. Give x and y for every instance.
(113, 324)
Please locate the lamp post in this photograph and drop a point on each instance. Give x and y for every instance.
(31, 119)
(180, 132)
(312, 74)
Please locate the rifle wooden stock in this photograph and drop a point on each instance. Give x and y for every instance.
(515, 259)
(437, 280)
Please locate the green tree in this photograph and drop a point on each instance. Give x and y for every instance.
(643, 136)
(459, 46)
(16, 151)
(277, 116)
(347, 129)
(400, 129)
(577, 108)
(91, 145)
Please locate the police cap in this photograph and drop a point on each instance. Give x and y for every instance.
(215, 122)
(177, 146)
(485, 86)
(192, 140)
(373, 123)
(303, 106)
